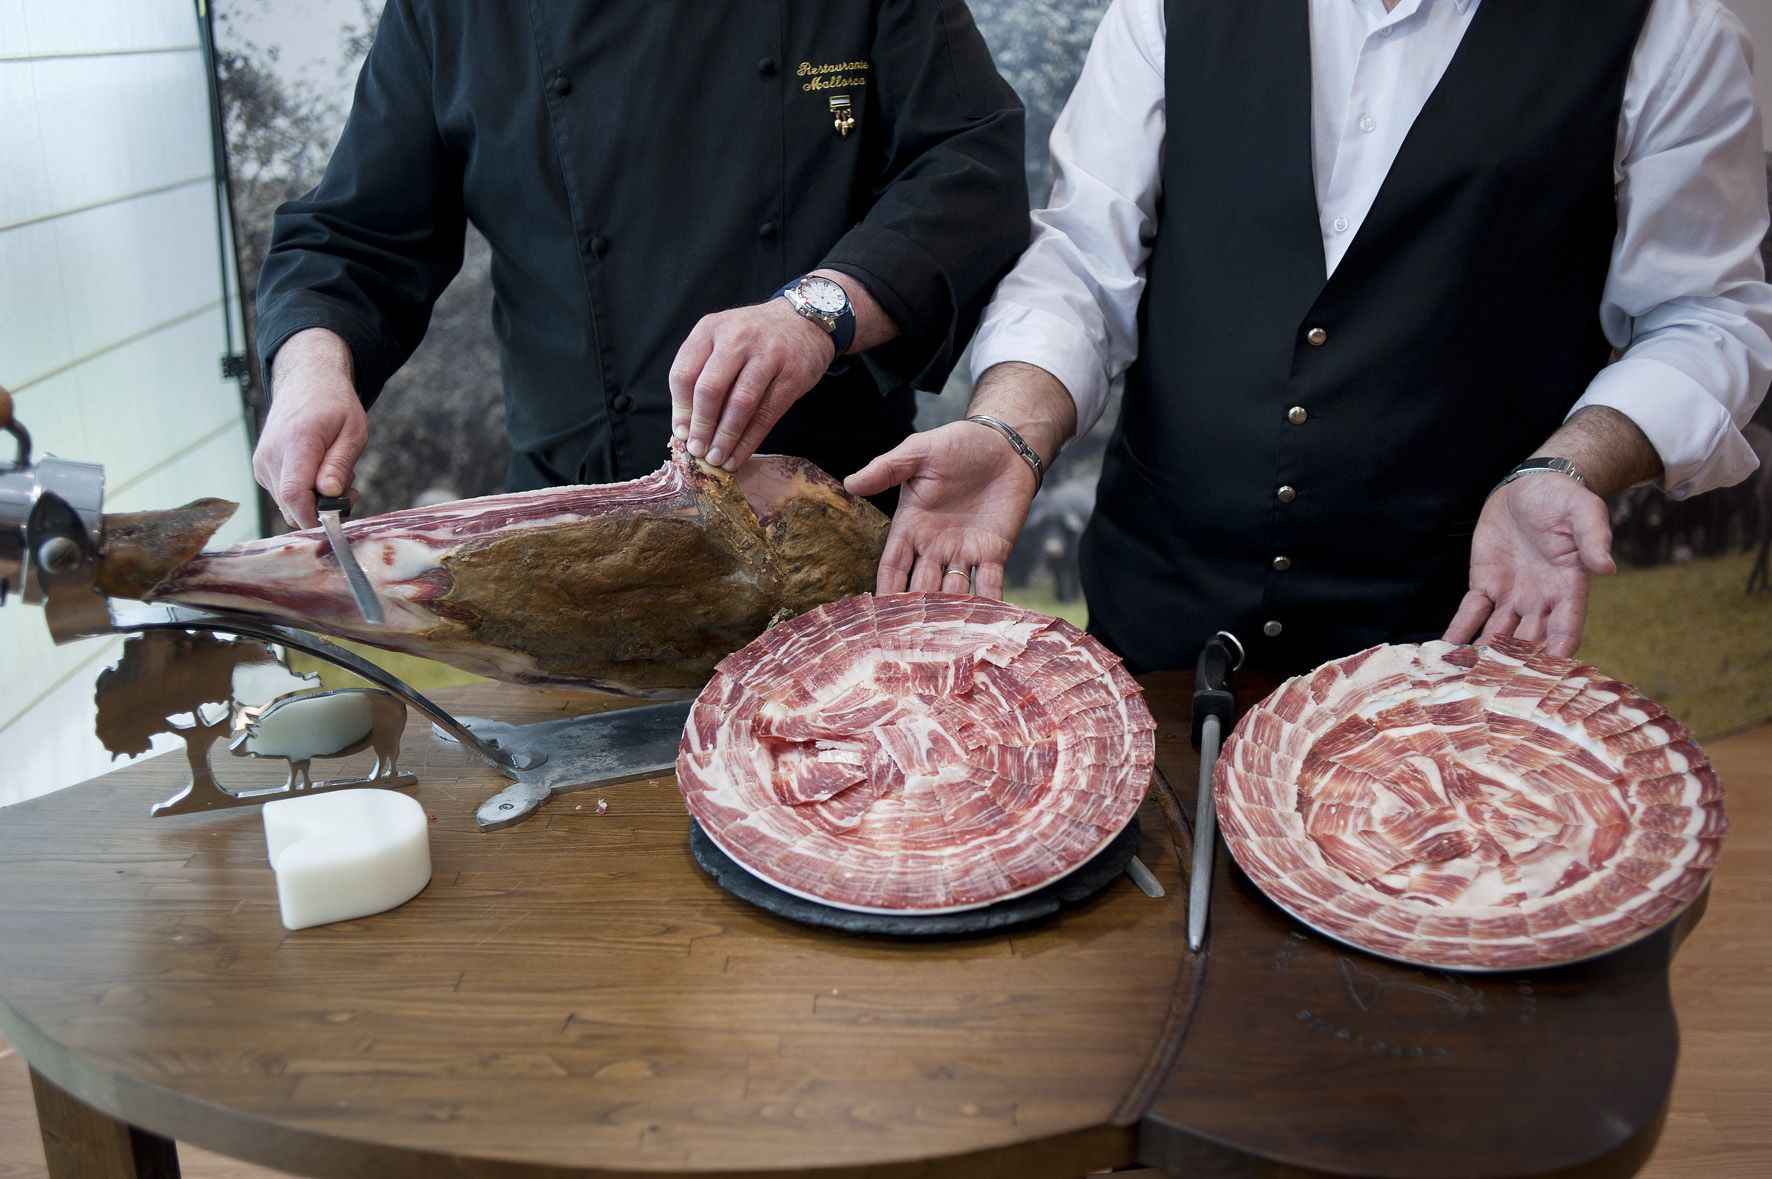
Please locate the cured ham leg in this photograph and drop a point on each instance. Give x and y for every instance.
(638, 588)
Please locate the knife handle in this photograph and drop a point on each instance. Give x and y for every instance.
(333, 503)
(1212, 683)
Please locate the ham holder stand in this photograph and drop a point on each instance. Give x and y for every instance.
(51, 526)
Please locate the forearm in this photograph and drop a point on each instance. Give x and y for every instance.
(1608, 448)
(1031, 400)
(873, 326)
(310, 354)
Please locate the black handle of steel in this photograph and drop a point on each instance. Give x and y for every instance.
(1212, 683)
(333, 503)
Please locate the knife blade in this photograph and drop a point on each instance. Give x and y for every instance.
(334, 510)
(1214, 706)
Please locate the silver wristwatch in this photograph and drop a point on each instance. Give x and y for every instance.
(1542, 465)
(825, 303)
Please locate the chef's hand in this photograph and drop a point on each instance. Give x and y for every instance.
(1539, 542)
(316, 430)
(738, 372)
(964, 495)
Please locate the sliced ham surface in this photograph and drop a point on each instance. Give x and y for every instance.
(1474, 808)
(916, 752)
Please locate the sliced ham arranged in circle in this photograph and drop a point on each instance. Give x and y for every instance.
(1475, 808)
(916, 753)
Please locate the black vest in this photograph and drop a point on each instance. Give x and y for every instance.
(1450, 342)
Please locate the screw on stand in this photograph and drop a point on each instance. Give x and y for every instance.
(58, 554)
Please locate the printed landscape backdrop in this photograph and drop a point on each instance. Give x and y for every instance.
(1679, 619)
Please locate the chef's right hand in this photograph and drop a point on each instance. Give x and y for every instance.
(317, 428)
(964, 495)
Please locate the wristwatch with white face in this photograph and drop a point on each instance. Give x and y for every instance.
(826, 304)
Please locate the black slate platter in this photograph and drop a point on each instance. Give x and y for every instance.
(1079, 886)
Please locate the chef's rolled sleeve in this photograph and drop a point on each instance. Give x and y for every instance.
(951, 212)
(369, 250)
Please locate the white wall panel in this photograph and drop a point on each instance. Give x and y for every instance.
(127, 267)
(12, 28)
(106, 26)
(153, 398)
(110, 313)
(24, 185)
(35, 757)
(34, 337)
(122, 125)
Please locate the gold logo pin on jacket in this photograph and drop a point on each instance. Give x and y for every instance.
(842, 116)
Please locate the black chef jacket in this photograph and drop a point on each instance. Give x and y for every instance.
(636, 164)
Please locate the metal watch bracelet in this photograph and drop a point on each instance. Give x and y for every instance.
(1017, 441)
(1542, 465)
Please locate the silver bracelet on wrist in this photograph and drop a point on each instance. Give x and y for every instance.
(1542, 465)
(1017, 441)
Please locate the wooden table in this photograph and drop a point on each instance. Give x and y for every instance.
(573, 996)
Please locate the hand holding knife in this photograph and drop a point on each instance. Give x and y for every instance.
(333, 511)
(1214, 707)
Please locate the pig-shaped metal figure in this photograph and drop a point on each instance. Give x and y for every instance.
(326, 724)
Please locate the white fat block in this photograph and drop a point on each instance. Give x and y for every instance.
(302, 728)
(347, 853)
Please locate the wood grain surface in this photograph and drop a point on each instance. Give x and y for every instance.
(571, 995)
(193, 952)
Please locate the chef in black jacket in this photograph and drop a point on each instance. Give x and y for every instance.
(1364, 266)
(649, 173)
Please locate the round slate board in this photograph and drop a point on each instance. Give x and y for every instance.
(1077, 886)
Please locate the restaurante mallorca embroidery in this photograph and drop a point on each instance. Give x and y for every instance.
(832, 75)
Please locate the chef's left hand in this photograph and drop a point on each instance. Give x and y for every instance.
(1538, 544)
(738, 372)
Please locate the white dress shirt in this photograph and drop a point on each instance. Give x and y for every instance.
(1685, 301)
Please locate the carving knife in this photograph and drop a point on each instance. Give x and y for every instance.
(1214, 706)
(334, 510)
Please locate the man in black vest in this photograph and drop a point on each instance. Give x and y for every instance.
(649, 173)
(1360, 260)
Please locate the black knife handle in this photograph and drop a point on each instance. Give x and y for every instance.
(333, 503)
(1212, 683)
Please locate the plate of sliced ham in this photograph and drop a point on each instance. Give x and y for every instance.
(916, 753)
(1470, 808)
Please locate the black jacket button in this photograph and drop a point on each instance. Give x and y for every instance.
(766, 66)
(766, 231)
(622, 403)
(599, 247)
(561, 85)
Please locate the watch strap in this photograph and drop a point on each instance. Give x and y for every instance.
(842, 327)
(1542, 465)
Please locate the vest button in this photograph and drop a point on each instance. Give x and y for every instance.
(1298, 415)
(1286, 494)
(1281, 564)
(766, 231)
(1316, 337)
(622, 403)
(599, 247)
(766, 66)
(1271, 628)
(561, 85)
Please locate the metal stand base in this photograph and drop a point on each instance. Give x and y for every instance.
(583, 751)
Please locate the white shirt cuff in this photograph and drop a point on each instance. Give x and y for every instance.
(1699, 444)
(1014, 333)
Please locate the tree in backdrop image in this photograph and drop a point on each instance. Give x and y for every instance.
(439, 423)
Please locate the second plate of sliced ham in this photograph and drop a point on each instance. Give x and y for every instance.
(1474, 808)
(916, 753)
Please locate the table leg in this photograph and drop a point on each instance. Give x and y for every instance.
(82, 1143)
